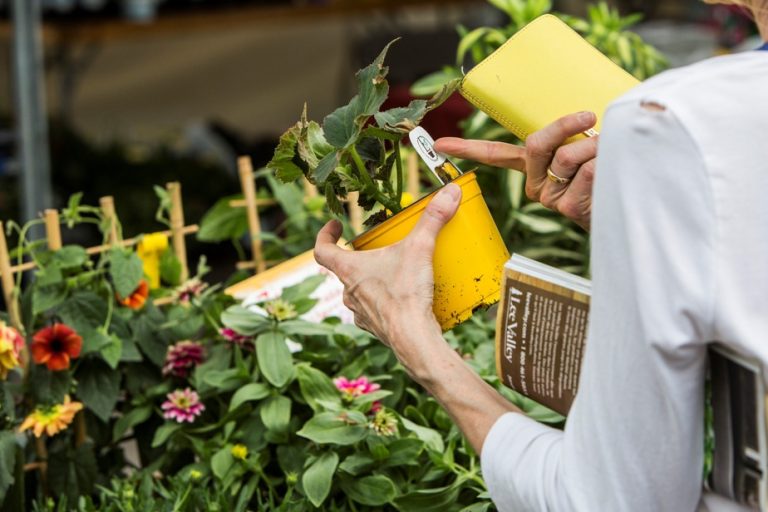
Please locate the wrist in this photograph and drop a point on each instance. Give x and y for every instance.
(419, 346)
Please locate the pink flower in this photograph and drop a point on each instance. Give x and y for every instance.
(182, 405)
(357, 387)
(233, 336)
(182, 357)
(189, 290)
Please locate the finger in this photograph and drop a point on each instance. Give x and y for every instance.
(498, 154)
(541, 145)
(326, 250)
(576, 202)
(438, 212)
(570, 157)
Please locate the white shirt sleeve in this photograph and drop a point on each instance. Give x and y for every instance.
(634, 436)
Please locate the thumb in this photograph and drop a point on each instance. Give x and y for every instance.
(438, 212)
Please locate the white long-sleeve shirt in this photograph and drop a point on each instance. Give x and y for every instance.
(679, 259)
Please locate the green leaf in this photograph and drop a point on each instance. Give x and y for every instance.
(304, 328)
(325, 167)
(170, 267)
(72, 472)
(312, 146)
(93, 341)
(163, 433)
(222, 461)
(126, 271)
(404, 452)
(283, 162)
(373, 490)
(276, 413)
(48, 275)
(402, 119)
(431, 437)
(7, 461)
(245, 321)
(112, 352)
(47, 297)
(98, 387)
(247, 393)
(223, 222)
(329, 428)
(130, 419)
(334, 205)
(83, 310)
(316, 386)
(319, 476)
(275, 360)
(428, 500)
(70, 256)
(303, 289)
(358, 463)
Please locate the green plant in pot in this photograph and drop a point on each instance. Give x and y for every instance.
(357, 149)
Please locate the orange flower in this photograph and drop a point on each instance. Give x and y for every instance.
(54, 346)
(11, 345)
(136, 299)
(51, 420)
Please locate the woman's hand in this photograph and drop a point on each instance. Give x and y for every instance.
(390, 290)
(544, 150)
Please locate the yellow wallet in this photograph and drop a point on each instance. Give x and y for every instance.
(543, 72)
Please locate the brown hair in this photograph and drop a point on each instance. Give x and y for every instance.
(758, 8)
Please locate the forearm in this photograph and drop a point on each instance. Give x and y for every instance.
(470, 401)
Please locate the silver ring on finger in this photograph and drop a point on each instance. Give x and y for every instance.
(554, 178)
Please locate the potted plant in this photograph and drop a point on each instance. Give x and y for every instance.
(357, 149)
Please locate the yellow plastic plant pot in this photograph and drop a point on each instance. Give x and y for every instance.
(469, 253)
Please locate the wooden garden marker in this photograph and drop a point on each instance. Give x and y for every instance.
(309, 189)
(245, 170)
(52, 230)
(107, 204)
(177, 227)
(6, 276)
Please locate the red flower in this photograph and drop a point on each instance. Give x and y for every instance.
(136, 299)
(54, 346)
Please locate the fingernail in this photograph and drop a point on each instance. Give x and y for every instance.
(449, 193)
(586, 117)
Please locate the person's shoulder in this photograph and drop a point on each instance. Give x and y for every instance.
(742, 73)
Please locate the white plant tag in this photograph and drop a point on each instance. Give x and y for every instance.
(440, 166)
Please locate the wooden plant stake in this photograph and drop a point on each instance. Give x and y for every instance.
(6, 276)
(177, 227)
(107, 204)
(53, 235)
(245, 170)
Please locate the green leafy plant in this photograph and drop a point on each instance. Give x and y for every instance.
(526, 226)
(357, 147)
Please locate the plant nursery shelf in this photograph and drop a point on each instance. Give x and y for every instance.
(224, 18)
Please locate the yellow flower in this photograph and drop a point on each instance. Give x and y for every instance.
(11, 344)
(51, 420)
(240, 451)
(195, 475)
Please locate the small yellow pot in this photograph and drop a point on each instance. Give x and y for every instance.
(469, 255)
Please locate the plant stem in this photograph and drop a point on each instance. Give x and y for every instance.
(399, 167)
(369, 186)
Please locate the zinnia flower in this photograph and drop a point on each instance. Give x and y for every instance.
(189, 290)
(240, 451)
(182, 405)
(356, 387)
(51, 419)
(11, 345)
(182, 358)
(233, 336)
(55, 346)
(137, 298)
(280, 309)
(383, 423)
